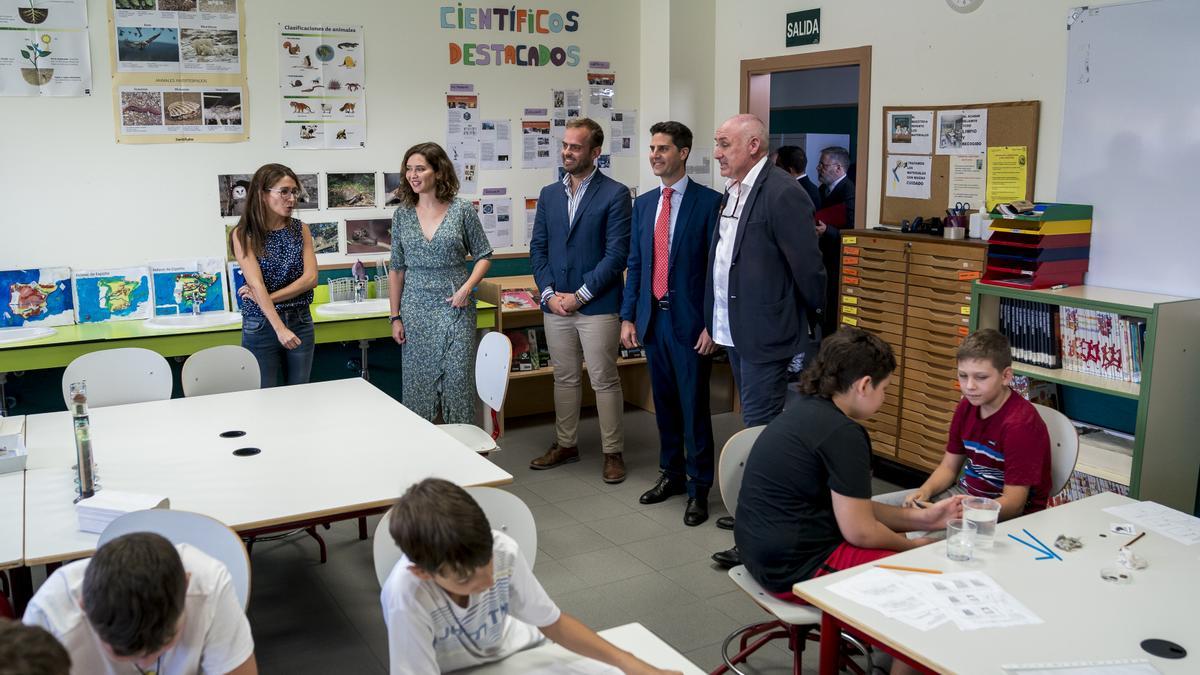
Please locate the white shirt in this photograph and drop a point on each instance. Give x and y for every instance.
(216, 635)
(676, 200)
(737, 193)
(429, 633)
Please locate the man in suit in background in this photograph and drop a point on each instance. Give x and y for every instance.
(793, 159)
(767, 284)
(836, 186)
(663, 309)
(578, 250)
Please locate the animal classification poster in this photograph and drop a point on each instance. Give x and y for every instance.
(179, 70)
(44, 49)
(322, 86)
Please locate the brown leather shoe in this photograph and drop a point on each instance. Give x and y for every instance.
(555, 456)
(614, 467)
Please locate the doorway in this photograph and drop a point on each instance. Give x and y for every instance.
(815, 101)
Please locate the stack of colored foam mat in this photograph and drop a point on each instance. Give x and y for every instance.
(1046, 247)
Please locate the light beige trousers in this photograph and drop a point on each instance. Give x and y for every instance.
(595, 339)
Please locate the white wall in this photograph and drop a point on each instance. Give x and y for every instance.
(692, 30)
(72, 196)
(923, 53)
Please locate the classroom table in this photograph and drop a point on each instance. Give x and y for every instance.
(551, 658)
(12, 519)
(329, 451)
(1085, 618)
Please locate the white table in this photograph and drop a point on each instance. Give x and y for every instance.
(328, 450)
(551, 658)
(1086, 618)
(12, 519)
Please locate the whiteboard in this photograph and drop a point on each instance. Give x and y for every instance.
(1131, 142)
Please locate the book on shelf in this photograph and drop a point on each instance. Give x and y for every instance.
(1104, 344)
(542, 347)
(634, 353)
(521, 349)
(1030, 328)
(518, 298)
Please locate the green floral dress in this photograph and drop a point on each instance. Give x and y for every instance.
(439, 343)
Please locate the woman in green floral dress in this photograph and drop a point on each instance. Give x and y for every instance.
(433, 309)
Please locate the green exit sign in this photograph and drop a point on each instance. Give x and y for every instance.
(804, 28)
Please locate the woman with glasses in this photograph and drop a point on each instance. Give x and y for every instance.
(275, 251)
(433, 311)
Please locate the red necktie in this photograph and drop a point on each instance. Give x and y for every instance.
(662, 244)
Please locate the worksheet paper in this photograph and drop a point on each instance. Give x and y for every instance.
(972, 600)
(495, 144)
(1162, 520)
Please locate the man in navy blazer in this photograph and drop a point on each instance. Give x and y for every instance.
(663, 309)
(578, 250)
(766, 290)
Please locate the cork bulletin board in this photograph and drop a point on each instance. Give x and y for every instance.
(1009, 123)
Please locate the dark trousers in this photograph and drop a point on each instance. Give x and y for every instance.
(761, 386)
(296, 364)
(679, 379)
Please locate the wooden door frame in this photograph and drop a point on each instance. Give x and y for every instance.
(854, 56)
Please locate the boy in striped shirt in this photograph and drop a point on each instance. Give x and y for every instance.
(997, 440)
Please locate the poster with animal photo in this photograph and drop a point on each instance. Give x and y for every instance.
(322, 86)
(350, 190)
(179, 70)
(391, 189)
(326, 238)
(369, 236)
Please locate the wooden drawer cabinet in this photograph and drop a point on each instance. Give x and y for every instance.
(914, 292)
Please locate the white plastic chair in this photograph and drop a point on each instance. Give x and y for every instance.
(790, 620)
(119, 376)
(219, 370)
(504, 510)
(1064, 447)
(184, 527)
(492, 363)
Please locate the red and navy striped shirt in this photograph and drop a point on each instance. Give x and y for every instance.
(1011, 447)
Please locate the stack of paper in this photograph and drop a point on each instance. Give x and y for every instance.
(972, 600)
(95, 513)
(1166, 521)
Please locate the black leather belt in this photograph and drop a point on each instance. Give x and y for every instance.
(663, 303)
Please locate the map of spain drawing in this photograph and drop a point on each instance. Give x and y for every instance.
(119, 294)
(37, 296)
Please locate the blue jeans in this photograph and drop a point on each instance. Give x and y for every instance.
(259, 337)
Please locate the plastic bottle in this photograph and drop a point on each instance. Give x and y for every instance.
(84, 468)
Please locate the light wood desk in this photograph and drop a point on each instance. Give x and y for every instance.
(329, 451)
(551, 658)
(1085, 618)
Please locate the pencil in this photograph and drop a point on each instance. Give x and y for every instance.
(1134, 540)
(921, 505)
(909, 569)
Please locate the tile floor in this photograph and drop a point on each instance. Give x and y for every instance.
(602, 556)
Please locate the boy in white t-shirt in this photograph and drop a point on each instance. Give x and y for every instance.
(463, 595)
(141, 605)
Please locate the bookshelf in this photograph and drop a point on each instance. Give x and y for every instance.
(1165, 466)
(531, 392)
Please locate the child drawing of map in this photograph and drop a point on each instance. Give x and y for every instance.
(180, 284)
(41, 296)
(236, 281)
(120, 294)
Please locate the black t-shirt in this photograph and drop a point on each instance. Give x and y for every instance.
(785, 527)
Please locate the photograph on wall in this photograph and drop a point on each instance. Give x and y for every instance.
(962, 132)
(181, 285)
(116, 294)
(391, 189)
(373, 235)
(325, 237)
(44, 48)
(322, 86)
(232, 190)
(350, 190)
(229, 241)
(310, 193)
(179, 70)
(910, 132)
(37, 296)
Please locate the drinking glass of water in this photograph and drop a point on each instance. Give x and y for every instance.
(960, 539)
(984, 513)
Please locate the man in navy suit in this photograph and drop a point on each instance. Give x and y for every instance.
(793, 159)
(836, 186)
(578, 250)
(663, 309)
(766, 290)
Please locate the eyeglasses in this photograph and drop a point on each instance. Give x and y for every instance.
(736, 200)
(284, 193)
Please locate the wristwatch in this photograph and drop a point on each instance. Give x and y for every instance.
(579, 299)
(394, 319)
